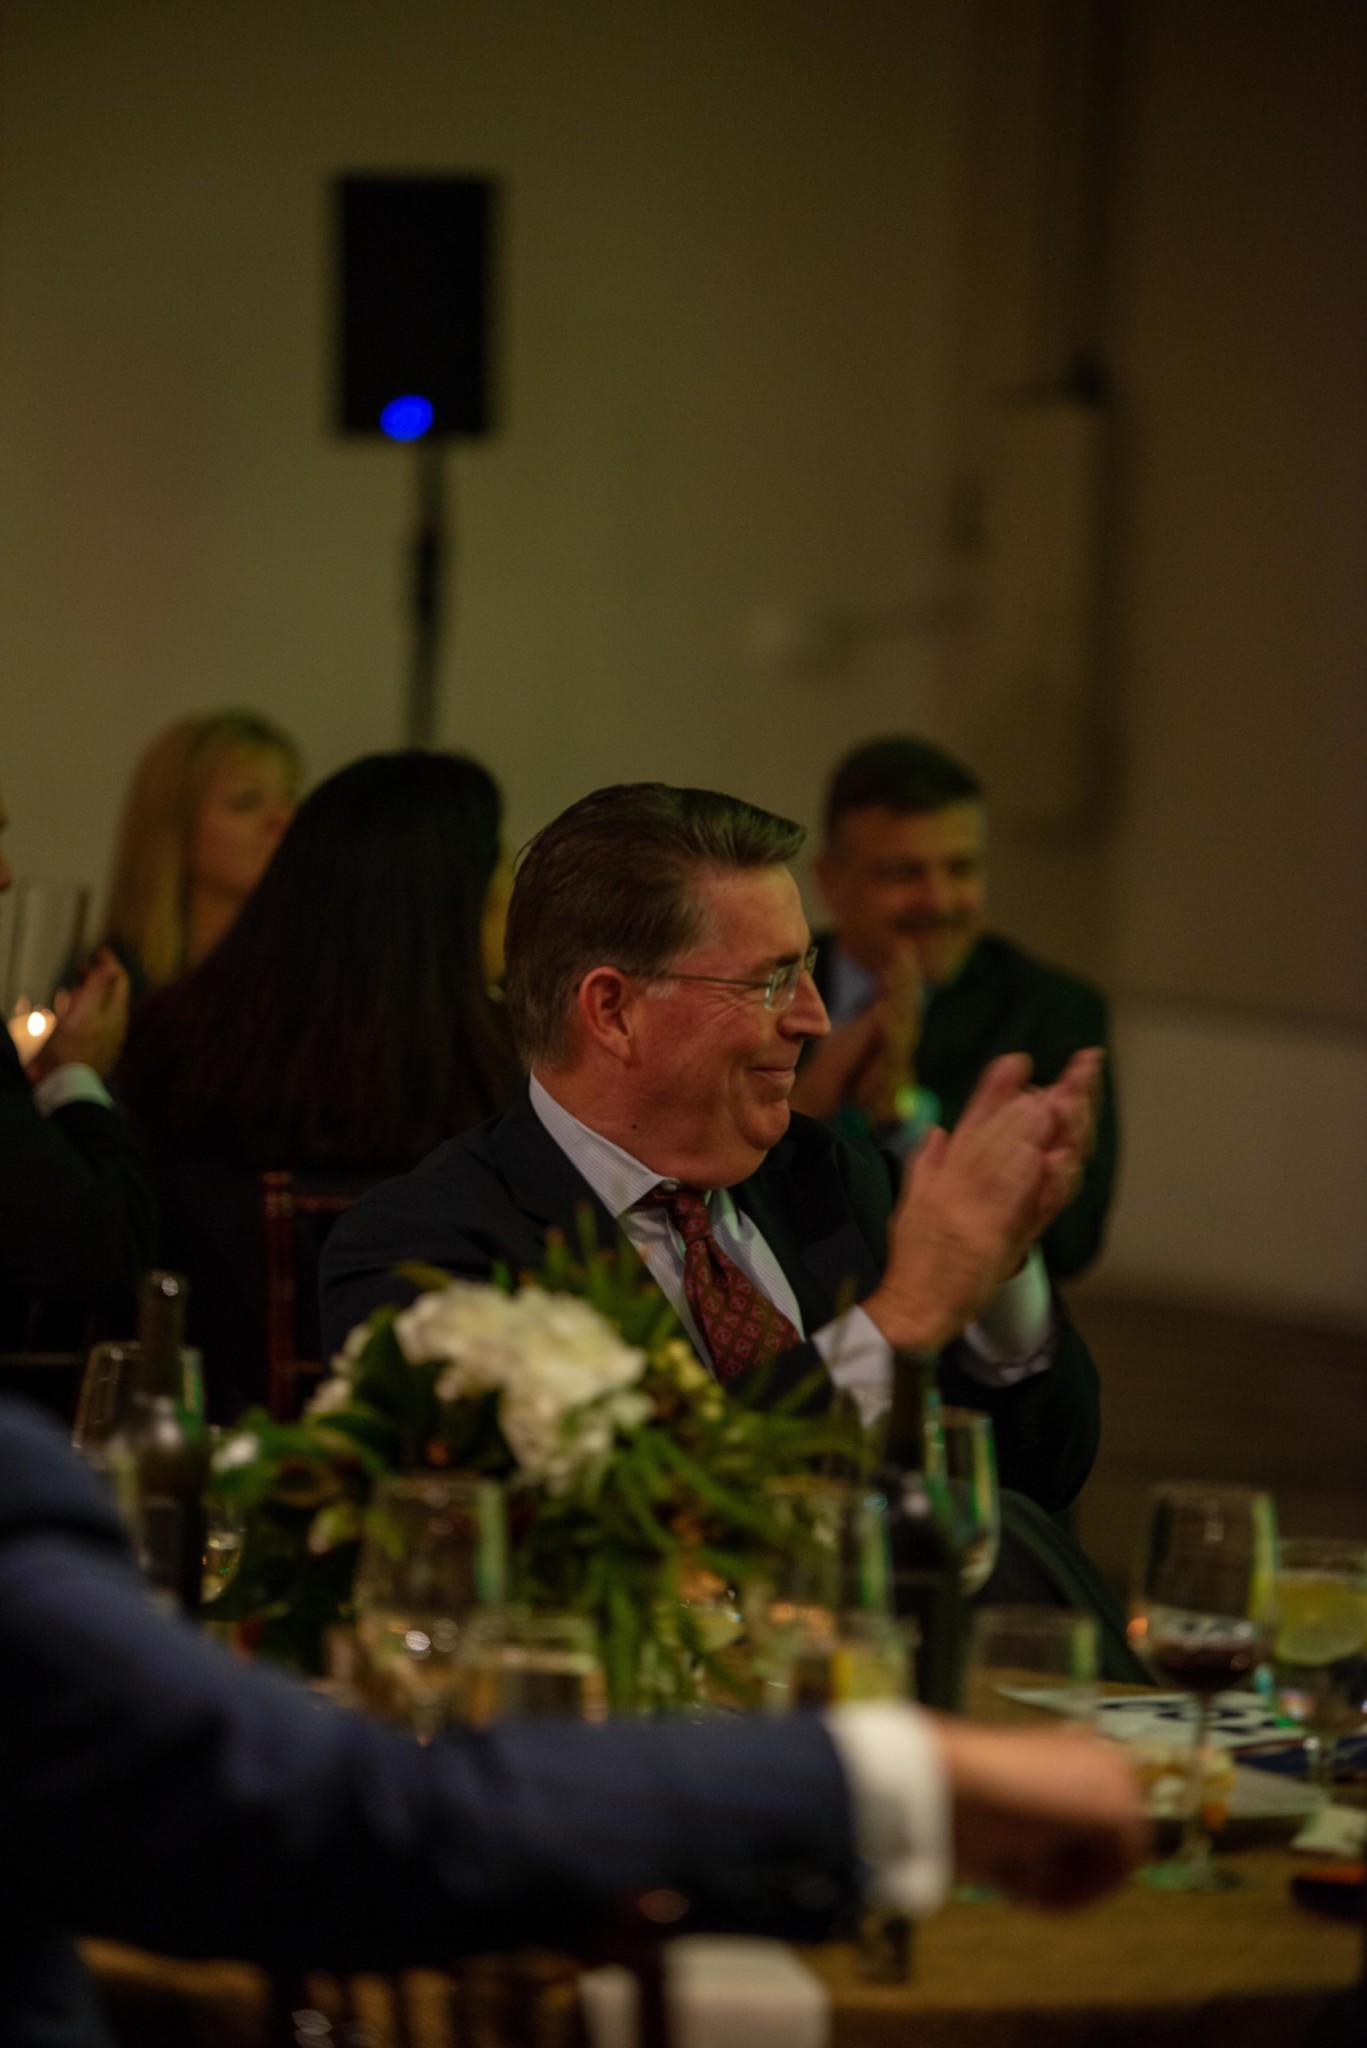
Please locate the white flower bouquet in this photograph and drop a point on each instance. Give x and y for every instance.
(631, 1478)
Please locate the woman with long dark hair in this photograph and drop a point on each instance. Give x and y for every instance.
(340, 1030)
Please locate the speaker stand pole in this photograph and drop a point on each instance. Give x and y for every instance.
(427, 572)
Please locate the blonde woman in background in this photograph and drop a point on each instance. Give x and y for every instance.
(204, 813)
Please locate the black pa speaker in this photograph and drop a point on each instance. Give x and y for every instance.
(414, 257)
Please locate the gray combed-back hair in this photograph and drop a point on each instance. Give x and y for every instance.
(610, 883)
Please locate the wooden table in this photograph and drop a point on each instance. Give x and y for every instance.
(1248, 1967)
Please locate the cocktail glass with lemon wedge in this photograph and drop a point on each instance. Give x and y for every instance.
(1320, 1656)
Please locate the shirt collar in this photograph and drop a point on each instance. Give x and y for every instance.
(618, 1180)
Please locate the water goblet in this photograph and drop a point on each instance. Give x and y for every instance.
(433, 1551)
(1045, 1651)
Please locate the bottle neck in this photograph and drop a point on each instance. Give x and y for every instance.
(915, 1412)
(161, 1328)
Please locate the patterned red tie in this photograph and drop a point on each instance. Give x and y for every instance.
(740, 1326)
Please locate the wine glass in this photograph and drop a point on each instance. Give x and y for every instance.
(433, 1550)
(1202, 1617)
(1046, 1650)
(970, 1475)
(47, 939)
(820, 1617)
(1321, 1639)
(105, 1398)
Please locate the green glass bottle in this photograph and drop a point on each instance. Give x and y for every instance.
(159, 1458)
(926, 1564)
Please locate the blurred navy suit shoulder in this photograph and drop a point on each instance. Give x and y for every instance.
(153, 1790)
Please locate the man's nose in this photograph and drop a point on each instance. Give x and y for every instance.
(806, 1015)
(937, 893)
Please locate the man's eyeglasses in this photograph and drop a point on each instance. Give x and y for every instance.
(779, 990)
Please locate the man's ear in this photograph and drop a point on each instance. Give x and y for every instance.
(606, 1003)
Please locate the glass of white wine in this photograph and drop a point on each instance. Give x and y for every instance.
(970, 1473)
(433, 1552)
(1321, 1643)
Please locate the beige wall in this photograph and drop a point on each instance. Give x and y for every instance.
(770, 269)
(726, 265)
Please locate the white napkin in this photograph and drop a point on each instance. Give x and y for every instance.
(1334, 1831)
(724, 1991)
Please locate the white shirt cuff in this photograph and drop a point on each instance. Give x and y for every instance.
(900, 1795)
(1013, 1338)
(858, 1358)
(70, 1084)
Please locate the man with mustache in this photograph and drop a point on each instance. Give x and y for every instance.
(660, 993)
(921, 995)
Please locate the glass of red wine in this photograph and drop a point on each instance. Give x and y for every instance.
(1203, 1617)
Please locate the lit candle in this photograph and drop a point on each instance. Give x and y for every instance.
(30, 1028)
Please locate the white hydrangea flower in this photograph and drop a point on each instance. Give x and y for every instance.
(333, 1394)
(241, 1448)
(561, 1370)
(345, 1361)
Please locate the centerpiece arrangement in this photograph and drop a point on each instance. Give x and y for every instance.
(637, 1491)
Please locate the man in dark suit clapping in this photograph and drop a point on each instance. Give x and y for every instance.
(659, 988)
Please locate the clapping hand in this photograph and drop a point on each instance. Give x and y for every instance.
(873, 1056)
(969, 1208)
(92, 1020)
(1072, 1101)
(898, 1014)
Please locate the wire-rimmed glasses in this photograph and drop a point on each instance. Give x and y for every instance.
(779, 989)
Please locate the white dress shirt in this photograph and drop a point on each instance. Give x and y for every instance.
(70, 1083)
(1012, 1339)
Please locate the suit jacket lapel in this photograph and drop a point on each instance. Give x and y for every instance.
(541, 1179)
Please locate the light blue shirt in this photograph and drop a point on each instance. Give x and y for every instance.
(857, 1355)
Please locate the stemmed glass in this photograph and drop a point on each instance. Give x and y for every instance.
(1202, 1617)
(970, 1474)
(820, 1619)
(46, 941)
(105, 1398)
(1321, 1641)
(433, 1551)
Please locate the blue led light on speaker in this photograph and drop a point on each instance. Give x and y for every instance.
(406, 419)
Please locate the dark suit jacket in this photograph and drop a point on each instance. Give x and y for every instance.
(1007, 1001)
(76, 1217)
(822, 1205)
(154, 1790)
